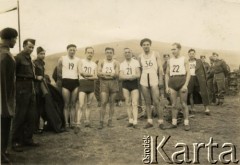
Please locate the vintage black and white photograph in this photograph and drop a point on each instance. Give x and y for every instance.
(120, 82)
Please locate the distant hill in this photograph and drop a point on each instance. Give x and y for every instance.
(232, 58)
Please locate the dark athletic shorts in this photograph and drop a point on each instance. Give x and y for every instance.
(193, 84)
(130, 85)
(176, 82)
(70, 84)
(109, 86)
(86, 86)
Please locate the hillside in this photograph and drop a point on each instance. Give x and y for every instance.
(231, 58)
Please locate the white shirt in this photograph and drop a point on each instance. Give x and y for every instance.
(70, 67)
(108, 67)
(192, 67)
(88, 67)
(149, 64)
(177, 66)
(129, 68)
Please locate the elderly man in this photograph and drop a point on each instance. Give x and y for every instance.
(8, 65)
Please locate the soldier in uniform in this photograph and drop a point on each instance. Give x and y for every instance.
(205, 64)
(220, 70)
(166, 57)
(25, 118)
(210, 82)
(8, 65)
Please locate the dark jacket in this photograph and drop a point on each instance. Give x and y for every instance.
(24, 66)
(201, 96)
(39, 67)
(220, 66)
(8, 91)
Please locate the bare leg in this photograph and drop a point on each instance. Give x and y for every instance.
(74, 96)
(173, 96)
(79, 111)
(183, 99)
(147, 98)
(88, 102)
(111, 108)
(126, 94)
(66, 98)
(135, 98)
(104, 100)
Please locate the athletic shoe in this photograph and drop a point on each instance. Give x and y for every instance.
(135, 126)
(207, 113)
(187, 127)
(87, 124)
(148, 125)
(171, 126)
(100, 125)
(76, 129)
(130, 125)
(110, 123)
(161, 126)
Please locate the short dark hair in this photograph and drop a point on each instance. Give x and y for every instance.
(202, 56)
(166, 55)
(108, 48)
(33, 41)
(191, 50)
(214, 53)
(145, 40)
(8, 33)
(71, 45)
(89, 47)
(178, 45)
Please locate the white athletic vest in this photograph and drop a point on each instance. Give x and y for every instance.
(88, 67)
(149, 76)
(129, 68)
(108, 67)
(177, 66)
(192, 67)
(70, 67)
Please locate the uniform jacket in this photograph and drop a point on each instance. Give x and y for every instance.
(8, 67)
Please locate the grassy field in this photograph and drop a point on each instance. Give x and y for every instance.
(120, 145)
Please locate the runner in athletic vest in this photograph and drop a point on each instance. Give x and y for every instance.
(129, 74)
(67, 82)
(151, 80)
(87, 70)
(108, 72)
(177, 78)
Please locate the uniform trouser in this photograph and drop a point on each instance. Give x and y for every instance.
(5, 130)
(211, 90)
(219, 85)
(24, 122)
(40, 107)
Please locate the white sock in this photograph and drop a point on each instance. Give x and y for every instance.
(150, 121)
(174, 121)
(160, 121)
(186, 122)
(134, 122)
(130, 120)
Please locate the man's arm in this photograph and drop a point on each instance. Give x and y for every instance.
(160, 71)
(99, 69)
(94, 76)
(117, 68)
(167, 77)
(186, 64)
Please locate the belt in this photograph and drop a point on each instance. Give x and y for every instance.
(178, 75)
(24, 79)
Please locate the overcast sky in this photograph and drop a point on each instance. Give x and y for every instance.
(213, 24)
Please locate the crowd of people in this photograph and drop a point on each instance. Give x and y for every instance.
(23, 87)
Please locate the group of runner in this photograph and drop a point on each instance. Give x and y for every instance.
(75, 78)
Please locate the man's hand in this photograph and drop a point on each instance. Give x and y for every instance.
(184, 89)
(167, 90)
(40, 78)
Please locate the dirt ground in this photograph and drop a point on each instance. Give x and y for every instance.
(122, 145)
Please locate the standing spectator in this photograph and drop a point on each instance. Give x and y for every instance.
(8, 67)
(97, 89)
(40, 74)
(220, 70)
(25, 118)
